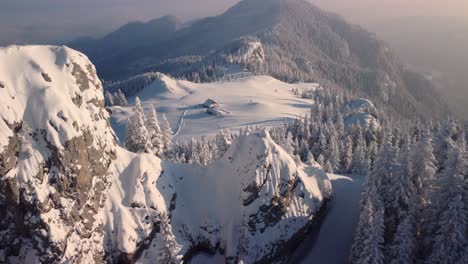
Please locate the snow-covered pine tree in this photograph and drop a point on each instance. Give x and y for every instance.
(167, 133)
(119, 98)
(328, 167)
(166, 248)
(403, 193)
(346, 158)
(223, 141)
(287, 144)
(359, 164)
(138, 139)
(109, 99)
(321, 161)
(403, 248)
(424, 171)
(368, 246)
(450, 228)
(155, 133)
(402, 205)
(373, 251)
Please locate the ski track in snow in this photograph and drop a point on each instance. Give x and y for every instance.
(332, 243)
(181, 123)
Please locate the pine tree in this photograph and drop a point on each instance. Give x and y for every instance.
(370, 204)
(155, 132)
(424, 171)
(321, 161)
(403, 248)
(138, 139)
(328, 167)
(287, 144)
(166, 133)
(109, 99)
(373, 245)
(346, 155)
(168, 249)
(451, 211)
(359, 164)
(223, 141)
(402, 196)
(119, 98)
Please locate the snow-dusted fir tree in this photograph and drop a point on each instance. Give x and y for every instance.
(155, 132)
(223, 141)
(368, 246)
(120, 99)
(384, 166)
(403, 248)
(321, 161)
(164, 247)
(402, 196)
(450, 228)
(424, 171)
(166, 133)
(287, 144)
(138, 139)
(359, 165)
(328, 167)
(109, 99)
(346, 158)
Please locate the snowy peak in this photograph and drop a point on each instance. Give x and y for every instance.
(51, 89)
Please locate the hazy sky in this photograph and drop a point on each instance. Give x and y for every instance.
(45, 20)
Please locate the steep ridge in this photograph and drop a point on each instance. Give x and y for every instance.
(69, 193)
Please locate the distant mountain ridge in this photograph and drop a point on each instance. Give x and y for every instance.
(300, 43)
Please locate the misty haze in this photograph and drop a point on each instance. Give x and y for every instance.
(228, 131)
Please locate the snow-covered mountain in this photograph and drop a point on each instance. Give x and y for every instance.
(69, 193)
(299, 42)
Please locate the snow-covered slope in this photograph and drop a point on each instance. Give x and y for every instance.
(69, 193)
(255, 100)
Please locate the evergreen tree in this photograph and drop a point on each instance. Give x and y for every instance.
(155, 132)
(138, 139)
(223, 141)
(403, 248)
(109, 99)
(328, 167)
(321, 161)
(346, 155)
(166, 133)
(119, 98)
(451, 226)
(359, 164)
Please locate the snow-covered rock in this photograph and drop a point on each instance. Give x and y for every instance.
(360, 112)
(69, 193)
(249, 203)
(55, 149)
